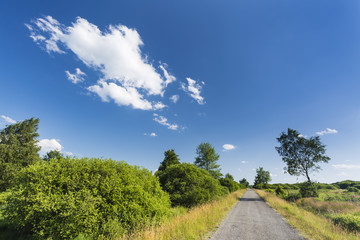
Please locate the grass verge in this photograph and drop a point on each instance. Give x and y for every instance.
(194, 224)
(310, 225)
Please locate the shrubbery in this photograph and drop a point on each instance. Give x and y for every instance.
(230, 184)
(65, 197)
(306, 190)
(189, 185)
(349, 222)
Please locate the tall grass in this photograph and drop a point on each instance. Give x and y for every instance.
(333, 207)
(312, 226)
(197, 223)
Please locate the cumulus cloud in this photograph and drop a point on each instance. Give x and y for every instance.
(346, 166)
(193, 89)
(228, 147)
(127, 76)
(150, 134)
(48, 145)
(164, 121)
(174, 98)
(8, 119)
(327, 131)
(76, 77)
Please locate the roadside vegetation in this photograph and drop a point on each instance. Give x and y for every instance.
(58, 197)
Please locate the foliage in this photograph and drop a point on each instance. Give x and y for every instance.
(292, 196)
(307, 190)
(207, 158)
(228, 181)
(64, 197)
(170, 158)
(18, 149)
(244, 182)
(301, 155)
(279, 191)
(352, 189)
(348, 222)
(262, 177)
(189, 185)
(53, 154)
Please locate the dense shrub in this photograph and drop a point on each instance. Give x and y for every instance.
(352, 189)
(306, 190)
(348, 222)
(230, 184)
(62, 198)
(279, 191)
(292, 197)
(326, 186)
(189, 185)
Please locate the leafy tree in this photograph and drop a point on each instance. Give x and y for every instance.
(301, 155)
(207, 158)
(170, 158)
(189, 185)
(262, 177)
(18, 149)
(63, 198)
(53, 154)
(229, 176)
(244, 182)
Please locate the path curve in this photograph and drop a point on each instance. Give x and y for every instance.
(253, 219)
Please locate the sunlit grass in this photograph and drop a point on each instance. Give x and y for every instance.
(312, 226)
(197, 223)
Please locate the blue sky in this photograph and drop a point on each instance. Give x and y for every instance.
(128, 80)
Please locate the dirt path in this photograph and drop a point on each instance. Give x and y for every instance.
(253, 219)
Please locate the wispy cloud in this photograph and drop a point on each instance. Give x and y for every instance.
(243, 162)
(228, 147)
(327, 131)
(194, 90)
(76, 77)
(346, 166)
(273, 175)
(127, 76)
(48, 145)
(174, 98)
(8, 119)
(164, 121)
(150, 134)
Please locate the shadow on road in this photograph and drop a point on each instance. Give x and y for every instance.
(250, 199)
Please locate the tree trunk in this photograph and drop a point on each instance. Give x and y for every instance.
(308, 178)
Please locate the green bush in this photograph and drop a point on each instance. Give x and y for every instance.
(348, 222)
(189, 185)
(352, 189)
(63, 198)
(306, 190)
(292, 197)
(230, 184)
(279, 191)
(270, 190)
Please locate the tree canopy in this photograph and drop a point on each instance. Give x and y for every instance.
(262, 177)
(207, 158)
(302, 156)
(170, 158)
(53, 154)
(244, 182)
(18, 149)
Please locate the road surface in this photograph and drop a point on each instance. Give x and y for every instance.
(253, 219)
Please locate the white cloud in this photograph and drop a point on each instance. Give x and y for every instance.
(49, 144)
(150, 134)
(228, 147)
(346, 166)
(243, 162)
(127, 77)
(273, 175)
(302, 136)
(327, 131)
(194, 89)
(8, 119)
(342, 174)
(158, 105)
(175, 98)
(76, 77)
(163, 121)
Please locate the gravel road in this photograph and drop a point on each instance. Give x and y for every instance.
(253, 219)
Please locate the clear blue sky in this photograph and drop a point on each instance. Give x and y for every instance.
(104, 77)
